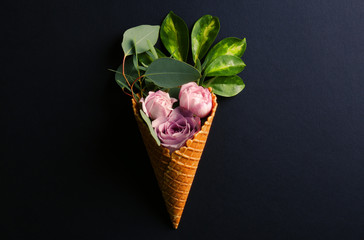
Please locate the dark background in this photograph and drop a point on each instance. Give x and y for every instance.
(284, 159)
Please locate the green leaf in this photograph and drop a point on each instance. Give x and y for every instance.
(130, 72)
(149, 124)
(145, 58)
(150, 86)
(142, 68)
(228, 46)
(160, 53)
(175, 37)
(152, 49)
(174, 92)
(140, 35)
(225, 66)
(203, 35)
(122, 84)
(198, 65)
(151, 55)
(135, 63)
(169, 73)
(226, 86)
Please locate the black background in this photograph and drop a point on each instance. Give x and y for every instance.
(284, 159)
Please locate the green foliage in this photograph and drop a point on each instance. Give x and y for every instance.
(140, 36)
(156, 71)
(203, 35)
(175, 37)
(145, 58)
(130, 72)
(225, 66)
(228, 46)
(226, 86)
(198, 65)
(169, 73)
(152, 49)
(174, 92)
(135, 63)
(149, 124)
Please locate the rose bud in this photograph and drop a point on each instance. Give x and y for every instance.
(173, 131)
(195, 98)
(157, 104)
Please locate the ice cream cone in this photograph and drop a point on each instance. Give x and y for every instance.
(175, 172)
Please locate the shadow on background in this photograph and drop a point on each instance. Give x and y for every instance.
(122, 156)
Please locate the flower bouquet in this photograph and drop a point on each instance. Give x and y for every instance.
(174, 103)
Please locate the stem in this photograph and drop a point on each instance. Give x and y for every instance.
(141, 88)
(124, 71)
(132, 85)
(126, 92)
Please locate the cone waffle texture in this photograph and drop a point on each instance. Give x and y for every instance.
(175, 172)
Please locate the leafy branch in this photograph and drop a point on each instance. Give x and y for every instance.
(148, 69)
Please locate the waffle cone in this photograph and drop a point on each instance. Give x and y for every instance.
(175, 172)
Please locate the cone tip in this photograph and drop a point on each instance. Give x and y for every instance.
(175, 225)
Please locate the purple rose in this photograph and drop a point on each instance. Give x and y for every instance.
(173, 131)
(157, 104)
(195, 98)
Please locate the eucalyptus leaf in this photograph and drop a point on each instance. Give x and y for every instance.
(135, 63)
(140, 35)
(145, 58)
(135, 57)
(150, 86)
(122, 84)
(151, 55)
(149, 124)
(174, 92)
(175, 37)
(169, 73)
(225, 66)
(142, 68)
(226, 86)
(229, 46)
(203, 35)
(152, 49)
(160, 53)
(130, 72)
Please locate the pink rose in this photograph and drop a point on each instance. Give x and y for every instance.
(195, 98)
(173, 131)
(157, 104)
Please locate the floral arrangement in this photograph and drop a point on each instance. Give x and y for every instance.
(174, 102)
(175, 126)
